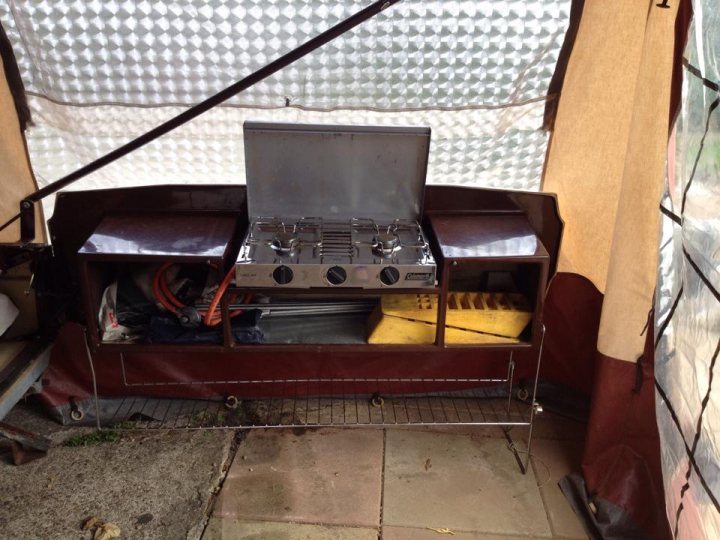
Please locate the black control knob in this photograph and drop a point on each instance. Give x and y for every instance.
(336, 275)
(389, 275)
(282, 275)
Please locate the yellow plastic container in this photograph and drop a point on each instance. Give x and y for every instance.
(471, 317)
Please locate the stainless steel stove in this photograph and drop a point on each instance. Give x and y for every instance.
(363, 184)
(314, 252)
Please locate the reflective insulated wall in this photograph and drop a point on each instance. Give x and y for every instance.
(688, 297)
(99, 73)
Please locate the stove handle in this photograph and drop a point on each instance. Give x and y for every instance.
(282, 275)
(389, 275)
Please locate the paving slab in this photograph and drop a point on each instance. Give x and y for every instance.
(551, 426)
(450, 481)
(407, 533)
(235, 529)
(552, 460)
(470, 431)
(152, 485)
(326, 476)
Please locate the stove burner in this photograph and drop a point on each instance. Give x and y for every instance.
(284, 242)
(385, 243)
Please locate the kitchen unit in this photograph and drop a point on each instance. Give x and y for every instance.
(316, 287)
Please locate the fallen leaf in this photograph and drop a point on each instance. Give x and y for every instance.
(443, 530)
(144, 519)
(91, 522)
(107, 531)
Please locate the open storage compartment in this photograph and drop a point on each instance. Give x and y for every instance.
(311, 317)
(494, 271)
(125, 251)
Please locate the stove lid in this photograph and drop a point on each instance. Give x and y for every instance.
(335, 172)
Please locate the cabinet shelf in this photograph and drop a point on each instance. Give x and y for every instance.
(119, 347)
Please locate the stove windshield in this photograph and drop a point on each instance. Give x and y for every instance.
(335, 172)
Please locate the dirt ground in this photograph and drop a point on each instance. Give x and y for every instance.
(152, 484)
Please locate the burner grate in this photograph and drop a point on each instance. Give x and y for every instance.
(336, 241)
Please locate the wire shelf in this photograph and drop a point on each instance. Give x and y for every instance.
(324, 402)
(303, 411)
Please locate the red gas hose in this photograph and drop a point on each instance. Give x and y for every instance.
(167, 299)
(210, 319)
(157, 288)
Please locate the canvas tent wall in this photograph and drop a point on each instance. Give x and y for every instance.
(16, 176)
(482, 74)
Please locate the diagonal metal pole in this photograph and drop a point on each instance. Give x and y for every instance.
(27, 219)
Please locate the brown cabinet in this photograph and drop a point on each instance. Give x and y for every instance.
(482, 240)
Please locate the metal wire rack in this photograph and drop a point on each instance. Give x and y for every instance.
(303, 411)
(329, 402)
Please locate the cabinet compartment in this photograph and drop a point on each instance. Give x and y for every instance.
(510, 287)
(314, 319)
(123, 305)
(339, 318)
(128, 244)
(479, 318)
(491, 257)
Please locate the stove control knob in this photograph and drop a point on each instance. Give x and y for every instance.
(389, 275)
(336, 275)
(282, 275)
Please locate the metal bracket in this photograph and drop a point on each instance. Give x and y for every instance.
(27, 221)
(25, 445)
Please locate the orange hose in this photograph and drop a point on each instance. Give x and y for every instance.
(167, 299)
(210, 318)
(157, 289)
(168, 294)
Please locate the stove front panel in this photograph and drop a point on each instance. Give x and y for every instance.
(361, 276)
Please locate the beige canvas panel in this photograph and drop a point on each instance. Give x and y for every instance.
(16, 178)
(634, 253)
(15, 283)
(8, 351)
(586, 157)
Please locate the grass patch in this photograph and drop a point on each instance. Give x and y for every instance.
(125, 424)
(204, 419)
(99, 437)
(94, 438)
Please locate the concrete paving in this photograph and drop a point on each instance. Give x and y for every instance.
(235, 529)
(411, 533)
(551, 461)
(326, 476)
(441, 480)
(434, 482)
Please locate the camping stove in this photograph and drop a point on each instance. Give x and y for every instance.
(315, 252)
(375, 174)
